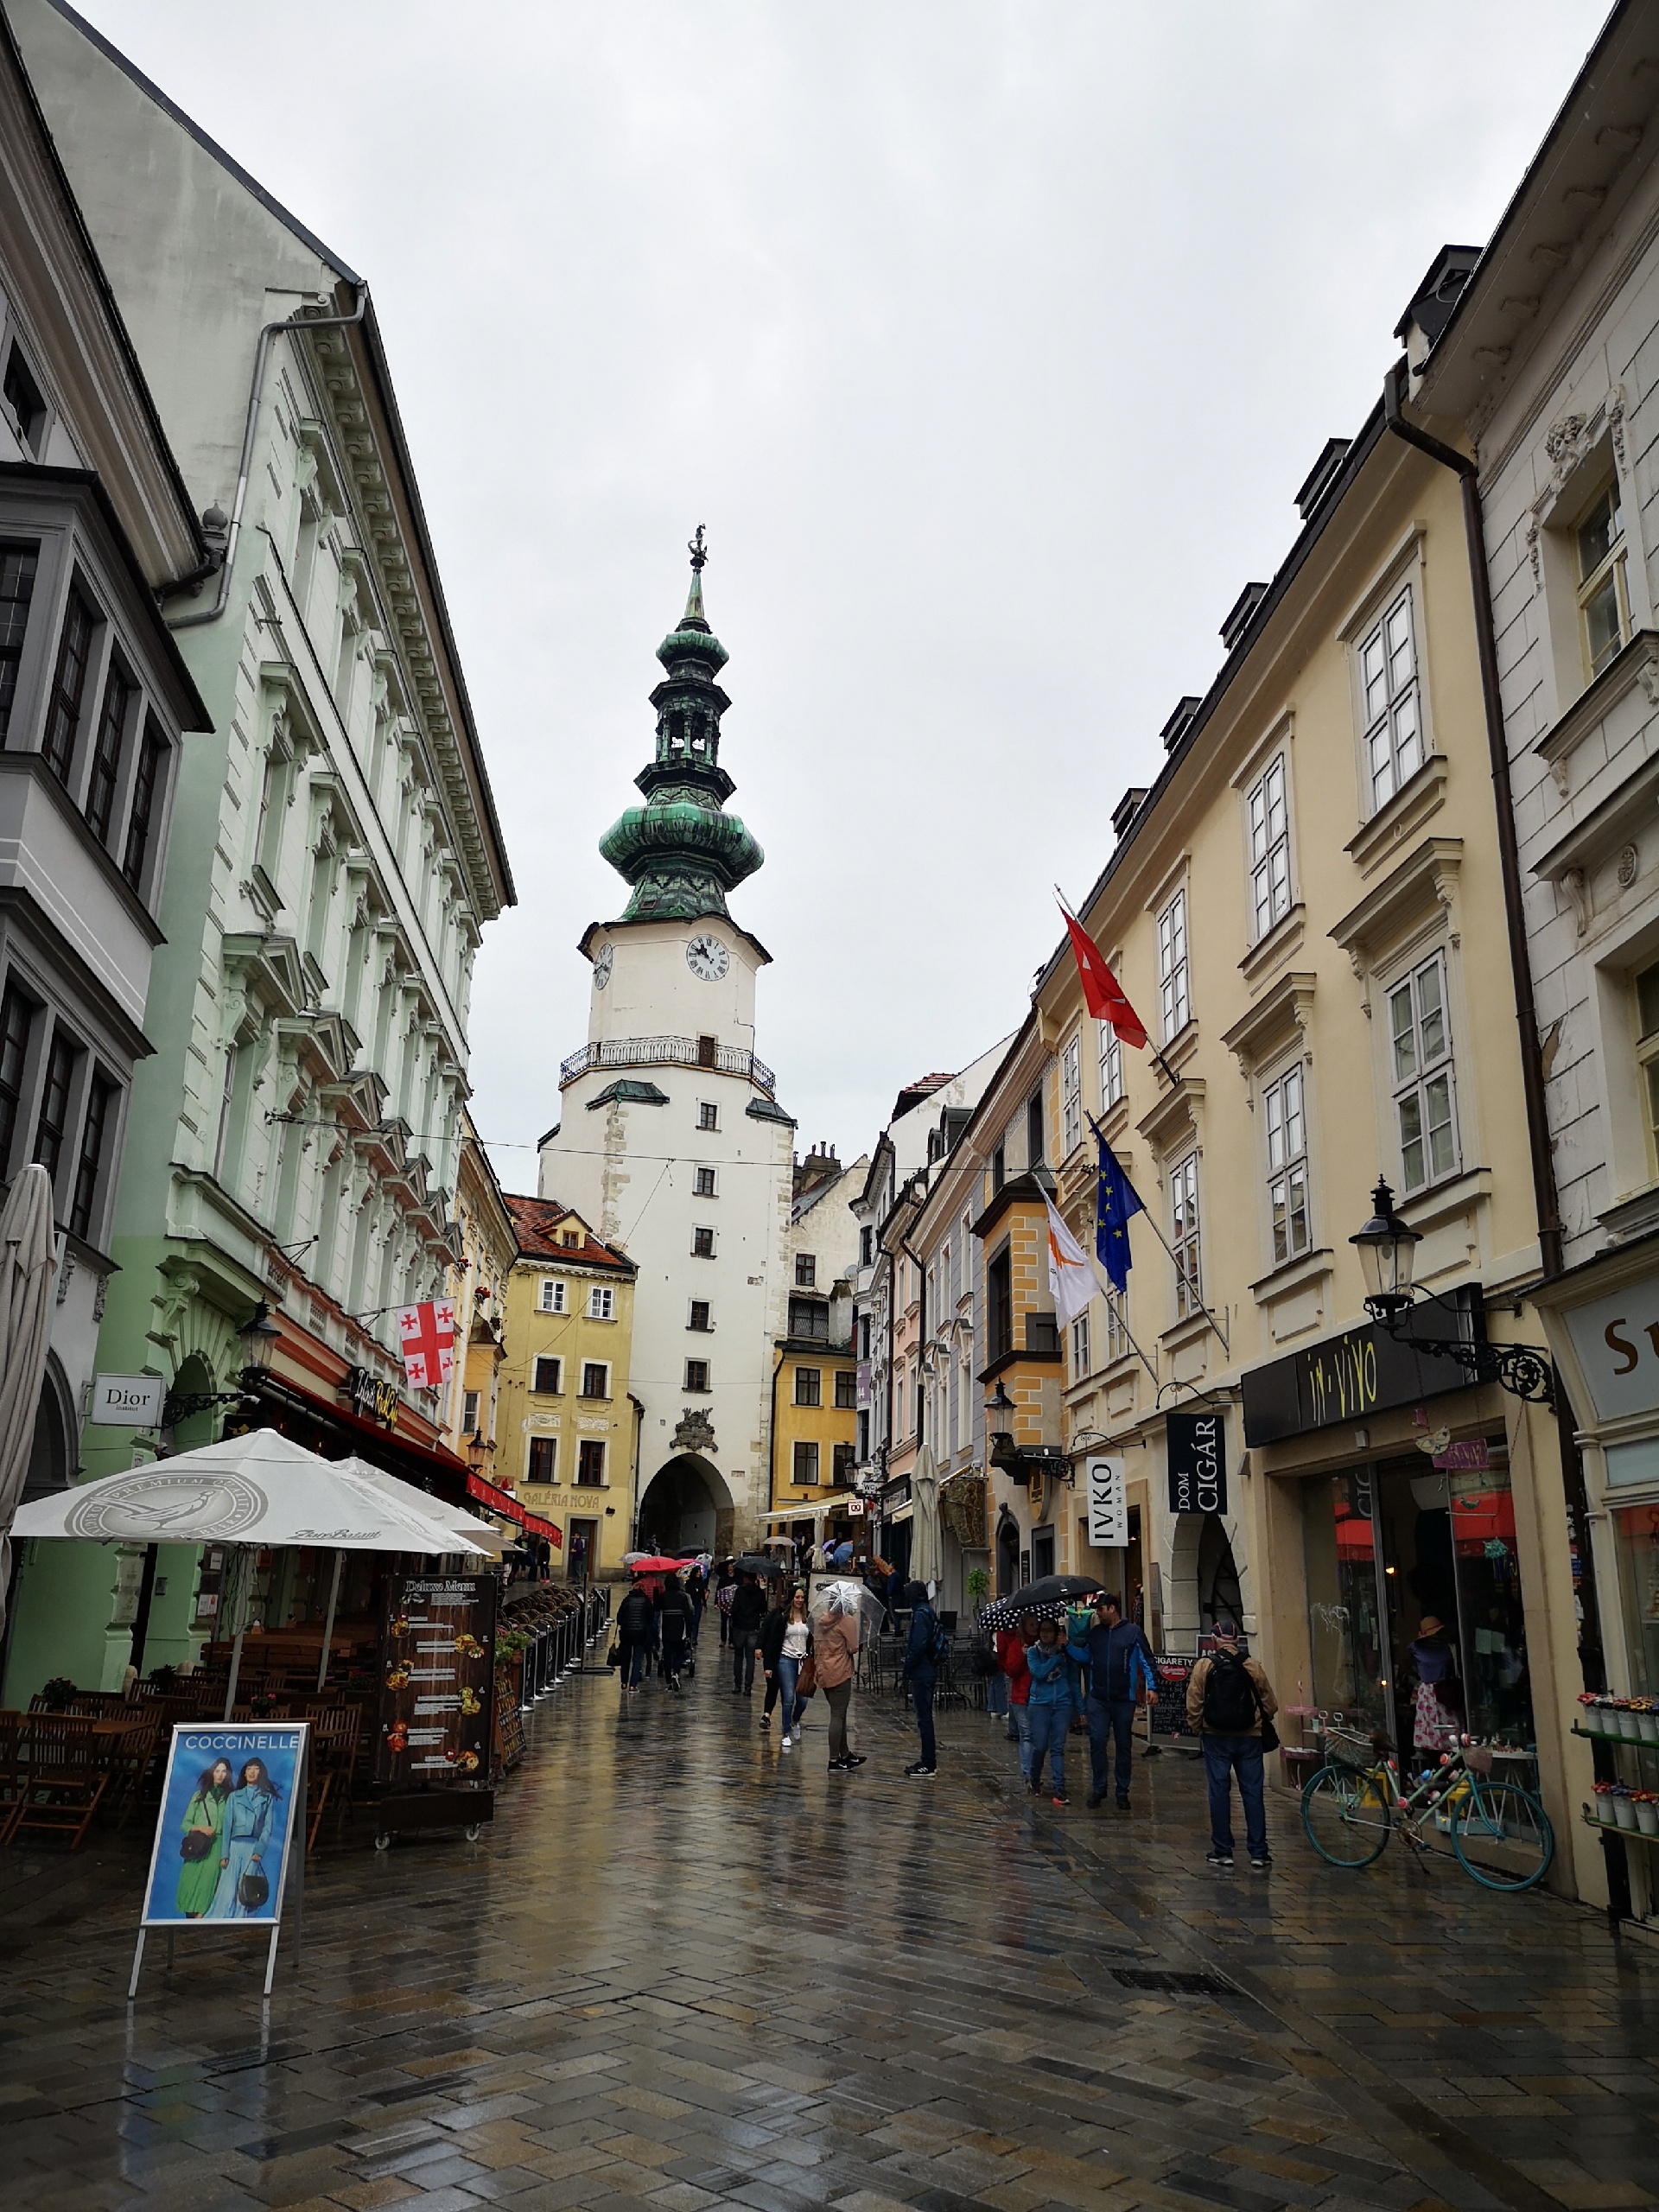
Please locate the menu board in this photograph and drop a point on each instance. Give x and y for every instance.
(437, 1679)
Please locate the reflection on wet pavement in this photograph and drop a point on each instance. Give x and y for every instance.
(686, 1968)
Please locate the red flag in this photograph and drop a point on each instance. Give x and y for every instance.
(1102, 992)
(428, 1332)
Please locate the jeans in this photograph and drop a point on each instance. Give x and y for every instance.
(784, 1679)
(696, 1617)
(996, 1696)
(1049, 1727)
(633, 1662)
(1223, 1757)
(1020, 1716)
(921, 1696)
(744, 1642)
(838, 1699)
(1116, 1714)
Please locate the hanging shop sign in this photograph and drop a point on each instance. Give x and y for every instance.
(128, 1400)
(437, 1679)
(1109, 1504)
(371, 1396)
(1362, 1371)
(1617, 1339)
(224, 1851)
(1197, 1446)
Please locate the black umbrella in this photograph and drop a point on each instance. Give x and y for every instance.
(1050, 1600)
(753, 1563)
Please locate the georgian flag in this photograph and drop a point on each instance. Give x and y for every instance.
(1070, 1278)
(428, 1342)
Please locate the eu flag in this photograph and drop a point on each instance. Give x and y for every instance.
(1115, 1199)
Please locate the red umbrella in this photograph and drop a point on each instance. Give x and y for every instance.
(656, 1565)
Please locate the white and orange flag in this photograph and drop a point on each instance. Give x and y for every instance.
(1070, 1278)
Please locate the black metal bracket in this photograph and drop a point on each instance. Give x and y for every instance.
(1522, 1369)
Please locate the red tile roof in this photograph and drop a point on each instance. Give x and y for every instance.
(540, 1224)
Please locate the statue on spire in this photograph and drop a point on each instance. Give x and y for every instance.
(699, 551)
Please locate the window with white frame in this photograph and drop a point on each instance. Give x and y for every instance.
(707, 1114)
(1285, 1124)
(704, 1184)
(1269, 822)
(549, 1376)
(596, 1378)
(469, 1413)
(1646, 986)
(602, 1303)
(1184, 1236)
(1603, 597)
(1173, 995)
(551, 1300)
(1112, 1067)
(1071, 1096)
(1425, 1093)
(1080, 1366)
(1387, 680)
(1117, 1335)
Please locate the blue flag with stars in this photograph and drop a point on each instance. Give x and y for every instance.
(1115, 1199)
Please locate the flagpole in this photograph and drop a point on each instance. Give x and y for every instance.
(1170, 1076)
(1146, 1215)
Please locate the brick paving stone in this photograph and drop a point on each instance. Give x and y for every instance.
(681, 1972)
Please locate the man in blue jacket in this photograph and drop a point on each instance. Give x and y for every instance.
(1118, 1661)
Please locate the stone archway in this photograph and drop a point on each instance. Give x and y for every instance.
(1205, 1581)
(686, 1507)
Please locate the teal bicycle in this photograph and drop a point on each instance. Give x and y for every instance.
(1353, 1803)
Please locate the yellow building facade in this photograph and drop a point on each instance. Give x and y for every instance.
(566, 1438)
(813, 1429)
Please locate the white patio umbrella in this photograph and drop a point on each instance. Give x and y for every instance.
(28, 1263)
(926, 1551)
(252, 1491)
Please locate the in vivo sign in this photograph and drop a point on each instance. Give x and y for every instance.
(128, 1400)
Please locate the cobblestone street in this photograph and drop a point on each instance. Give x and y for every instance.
(685, 1969)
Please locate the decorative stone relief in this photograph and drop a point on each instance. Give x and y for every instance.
(1629, 861)
(1576, 884)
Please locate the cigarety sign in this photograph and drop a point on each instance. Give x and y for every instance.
(1109, 1504)
(128, 1400)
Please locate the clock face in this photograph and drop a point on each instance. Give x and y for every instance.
(602, 960)
(706, 956)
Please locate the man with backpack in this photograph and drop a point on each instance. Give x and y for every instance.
(926, 1652)
(1118, 1660)
(1228, 1701)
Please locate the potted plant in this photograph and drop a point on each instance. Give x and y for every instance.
(979, 1587)
(1646, 1802)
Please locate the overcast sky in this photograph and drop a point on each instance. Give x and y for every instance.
(990, 339)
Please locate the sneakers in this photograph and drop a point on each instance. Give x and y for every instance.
(1095, 1797)
(844, 1766)
(1033, 1787)
(854, 1758)
(765, 1723)
(917, 1770)
(1122, 1804)
(784, 1744)
(1059, 1801)
(1263, 1864)
(1218, 1857)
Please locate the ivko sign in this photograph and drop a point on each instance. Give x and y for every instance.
(1362, 1371)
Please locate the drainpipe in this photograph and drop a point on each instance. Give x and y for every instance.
(1590, 1657)
(296, 322)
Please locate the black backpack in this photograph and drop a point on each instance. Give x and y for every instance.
(1231, 1703)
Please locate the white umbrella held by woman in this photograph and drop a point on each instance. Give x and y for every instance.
(28, 1263)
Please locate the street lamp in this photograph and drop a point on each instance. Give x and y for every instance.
(1001, 1450)
(1388, 1254)
(260, 1337)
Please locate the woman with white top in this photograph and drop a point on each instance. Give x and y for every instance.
(792, 1655)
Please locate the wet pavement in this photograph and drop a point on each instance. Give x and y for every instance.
(685, 1969)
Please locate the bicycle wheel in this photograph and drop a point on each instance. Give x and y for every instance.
(1346, 1816)
(1502, 1835)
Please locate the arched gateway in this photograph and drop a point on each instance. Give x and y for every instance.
(687, 1507)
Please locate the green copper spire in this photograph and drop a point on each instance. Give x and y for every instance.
(680, 851)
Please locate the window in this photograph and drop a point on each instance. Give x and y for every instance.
(596, 1378)
(1172, 994)
(1184, 1236)
(469, 1413)
(1604, 600)
(1269, 818)
(118, 695)
(571, 1239)
(602, 1303)
(806, 1271)
(146, 784)
(708, 1052)
(1071, 1096)
(94, 1131)
(54, 1119)
(703, 1243)
(846, 1390)
(804, 1464)
(999, 1306)
(544, 1460)
(865, 1328)
(700, 1312)
(29, 409)
(547, 1380)
(590, 1464)
(866, 1248)
(1035, 1145)
(1388, 681)
(841, 1465)
(551, 1300)
(707, 1114)
(697, 1374)
(68, 685)
(810, 1317)
(17, 1018)
(999, 1168)
(1287, 1129)
(17, 565)
(1111, 1066)
(702, 1183)
(1117, 1335)
(809, 1386)
(1647, 1055)
(1420, 1039)
(1080, 1366)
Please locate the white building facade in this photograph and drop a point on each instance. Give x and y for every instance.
(670, 1139)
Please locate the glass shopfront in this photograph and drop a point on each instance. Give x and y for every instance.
(1636, 1535)
(1391, 1546)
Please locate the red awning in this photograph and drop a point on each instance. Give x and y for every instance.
(502, 1502)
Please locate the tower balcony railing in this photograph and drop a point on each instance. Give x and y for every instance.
(668, 1052)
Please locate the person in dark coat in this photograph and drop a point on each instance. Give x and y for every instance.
(1119, 1672)
(674, 1627)
(921, 1676)
(743, 1632)
(633, 1626)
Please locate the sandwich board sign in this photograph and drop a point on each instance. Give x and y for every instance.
(1109, 1504)
(231, 1833)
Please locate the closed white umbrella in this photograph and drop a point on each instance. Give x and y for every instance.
(926, 1551)
(28, 1263)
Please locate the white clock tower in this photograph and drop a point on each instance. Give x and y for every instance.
(670, 1141)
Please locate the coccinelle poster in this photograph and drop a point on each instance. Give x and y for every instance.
(437, 1678)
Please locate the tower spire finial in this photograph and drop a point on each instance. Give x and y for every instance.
(697, 548)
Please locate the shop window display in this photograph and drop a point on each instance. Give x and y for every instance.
(1636, 1529)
